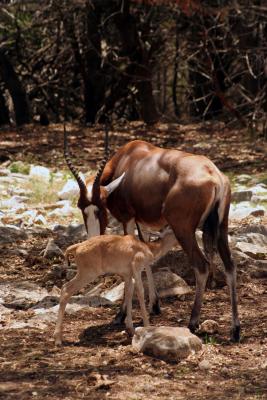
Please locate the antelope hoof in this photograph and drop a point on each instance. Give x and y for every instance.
(235, 334)
(156, 308)
(120, 318)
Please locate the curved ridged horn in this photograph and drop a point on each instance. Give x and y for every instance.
(96, 184)
(74, 171)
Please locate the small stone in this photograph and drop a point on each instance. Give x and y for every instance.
(70, 274)
(257, 213)
(204, 365)
(19, 252)
(252, 250)
(76, 232)
(170, 284)
(55, 291)
(242, 195)
(166, 343)
(57, 271)
(40, 220)
(51, 250)
(255, 228)
(244, 178)
(225, 371)
(209, 326)
(69, 191)
(63, 210)
(4, 172)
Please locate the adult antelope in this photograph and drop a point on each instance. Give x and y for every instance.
(158, 187)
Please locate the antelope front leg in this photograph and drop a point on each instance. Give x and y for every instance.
(201, 279)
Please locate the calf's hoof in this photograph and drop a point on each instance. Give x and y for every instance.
(119, 318)
(58, 341)
(130, 331)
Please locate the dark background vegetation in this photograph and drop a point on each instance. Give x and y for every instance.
(88, 60)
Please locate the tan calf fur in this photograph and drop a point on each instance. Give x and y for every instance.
(112, 254)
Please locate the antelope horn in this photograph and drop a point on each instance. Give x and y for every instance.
(74, 171)
(96, 184)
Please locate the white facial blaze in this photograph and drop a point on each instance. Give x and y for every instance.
(89, 191)
(92, 222)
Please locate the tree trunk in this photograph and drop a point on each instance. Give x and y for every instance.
(138, 69)
(175, 73)
(16, 90)
(4, 113)
(94, 87)
(89, 63)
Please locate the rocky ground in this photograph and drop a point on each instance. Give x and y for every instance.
(38, 219)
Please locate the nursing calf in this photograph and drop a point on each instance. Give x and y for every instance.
(112, 254)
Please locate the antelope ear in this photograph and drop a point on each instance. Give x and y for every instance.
(114, 184)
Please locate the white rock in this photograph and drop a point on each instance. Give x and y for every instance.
(243, 210)
(21, 290)
(251, 237)
(243, 178)
(29, 215)
(4, 172)
(40, 173)
(66, 210)
(259, 189)
(204, 365)
(252, 250)
(114, 294)
(258, 198)
(167, 343)
(167, 284)
(40, 220)
(70, 190)
(14, 203)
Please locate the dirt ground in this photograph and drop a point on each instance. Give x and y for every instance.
(97, 360)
